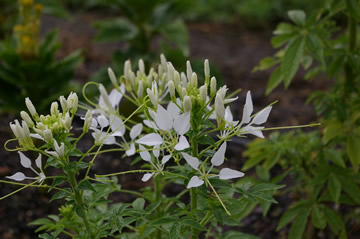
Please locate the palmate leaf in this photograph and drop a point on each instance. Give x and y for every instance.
(292, 59)
(119, 29)
(298, 227)
(353, 151)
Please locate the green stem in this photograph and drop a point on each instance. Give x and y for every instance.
(157, 189)
(349, 73)
(80, 203)
(193, 203)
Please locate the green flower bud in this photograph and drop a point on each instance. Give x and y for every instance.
(54, 109)
(30, 107)
(140, 89)
(203, 93)
(141, 66)
(104, 95)
(207, 71)
(219, 107)
(183, 80)
(171, 87)
(213, 86)
(48, 137)
(26, 117)
(187, 103)
(112, 77)
(64, 104)
(163, 63)
(87, 122)
(194, 80)
(188, 70)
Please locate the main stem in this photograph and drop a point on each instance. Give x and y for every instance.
(193, 194)
(157, 185)
(79, 202)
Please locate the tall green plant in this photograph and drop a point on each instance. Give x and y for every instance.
(329, 169)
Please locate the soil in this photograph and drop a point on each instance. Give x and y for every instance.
(234, 49)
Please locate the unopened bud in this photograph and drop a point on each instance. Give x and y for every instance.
(140, 90)
(104, 95)
(30, 106)
(187, 103)
(188, 70)
(163, 62)
(66, 123)
(160, 70)
(170, 71)
(14, 130)
(87, 121)
(194, 80)
(141, 66)
(207, 70)
(219, 107)
(19, 130)
(183, 80)
(171, 87)
(152, 97)
(177, 78)
(203, 93)
(48, 136)
(73, 102)
(112, 77)
(64, 104)
(213, 86)
(54, 109)
(184, 92)
(127, 68)
(26, 117)
(26, 130)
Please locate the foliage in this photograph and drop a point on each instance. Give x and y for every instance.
(28, 68)
(327, 162)
(148, 28)
(173, 147)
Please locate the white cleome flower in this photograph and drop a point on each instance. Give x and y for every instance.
(167, 120)
(158, 165)
(26, 163)
(217, 160)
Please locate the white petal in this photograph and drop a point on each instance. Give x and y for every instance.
(146, 177)
(150, 139)
(38, 161)
(183, 143)
(136, 131)
(150, 124)
(115, 97)
(195, 181)
(165, 159)
(131, 151)
(163, 119)
(219, 156)
(254, 131)
(262, 116)
(182, 123)
(42, 177)
(173, 110)
(25, 161)
(52, 153)
(152, 114)
(109, 140)
(248, 109)
(103, 121)
(17, 177)
(156, 151)
(94, 123)
(230, 100)
(144, 154)
(36, 136)
(228, 115)
(192, 161)
(227, 173)
(117, 126)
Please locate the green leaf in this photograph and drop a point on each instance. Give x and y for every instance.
(315, 45)
(353, 151)
(115, 30)
(298, 227)
(291, 213)
(284, 29)
(275, 79)
(164, 220)
(139, 203)
(318, 218)
(262, 173)
(334, 187)
(335, 222)
(278, 41)
(58, 195)
(351, 188)
(193, 224)
(238, 235)
(353, 8)
(86, 185)
(298, 17)
(333, 129)
(175, 231)
(292, 59)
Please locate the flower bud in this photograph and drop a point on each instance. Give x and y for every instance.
(87, 121)
(160, 70)
(25, 129)
(163, 63)
(140, 89)
(26, 117)
(19, 130)
(141, 66)
(64, 104)
(194, 80)
(171, 87)
(112, 77)
(207, 70)
(219, 107)
(187, 103)
(170, 71)
(66, 123)
(15, 130)
(127, 68)
(203, 93)
(152, 97)
(184, 92)
(73, 102)
(213, 86)
(188, 70)
(30, 106)
(54, 109)
(104, 95)
(48, 137)
(177, 78)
